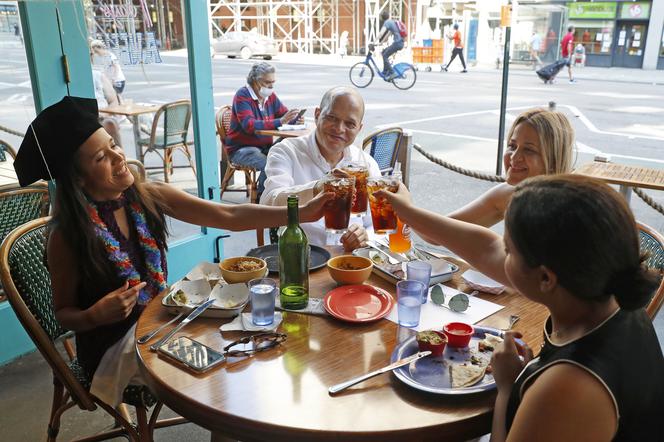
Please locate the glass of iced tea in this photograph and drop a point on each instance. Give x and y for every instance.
(337, 210)
(361, 173)
(382, 214)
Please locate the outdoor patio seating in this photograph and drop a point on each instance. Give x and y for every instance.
(384, 147)
(6, 151)
(169, 132)
(28, 287)
(652, 243)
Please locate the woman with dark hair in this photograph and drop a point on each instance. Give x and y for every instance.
(107, 245)
(571, 244)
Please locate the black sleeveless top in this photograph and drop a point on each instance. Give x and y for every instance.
(92, 344)
(624, 353)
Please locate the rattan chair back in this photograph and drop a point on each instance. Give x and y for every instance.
(652, 244)
(384, 147)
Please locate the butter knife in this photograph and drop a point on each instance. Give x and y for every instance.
(193, 315)
(401, 362)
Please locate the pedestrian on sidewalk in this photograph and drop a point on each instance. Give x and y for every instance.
(390, 27)
(535, 46)
(567, 49)
(110, 64)
(17, 33)
(458, 48)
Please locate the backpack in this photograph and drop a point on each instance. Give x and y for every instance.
(402, 28)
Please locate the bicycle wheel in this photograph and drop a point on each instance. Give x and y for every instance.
(406, 76)
(361, 74)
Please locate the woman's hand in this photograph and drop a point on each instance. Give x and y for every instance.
(355, 237)
(506, 362)
(314, 209)
(115, 306)
(400, 201)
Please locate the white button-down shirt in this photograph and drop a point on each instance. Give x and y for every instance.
(295, 165)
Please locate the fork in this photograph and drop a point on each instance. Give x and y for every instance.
(146, 337)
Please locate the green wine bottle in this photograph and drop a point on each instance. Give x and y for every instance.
(293, 261)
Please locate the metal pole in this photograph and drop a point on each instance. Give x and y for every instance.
(503, 101)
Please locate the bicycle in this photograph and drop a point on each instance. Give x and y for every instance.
(361, 74)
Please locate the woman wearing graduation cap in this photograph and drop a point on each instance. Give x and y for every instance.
(106, 250)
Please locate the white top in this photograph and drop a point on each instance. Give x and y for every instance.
(535, 42)
(295, 165)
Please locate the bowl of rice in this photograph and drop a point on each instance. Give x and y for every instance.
(242, 269)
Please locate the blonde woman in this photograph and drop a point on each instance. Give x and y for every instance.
(540, 142)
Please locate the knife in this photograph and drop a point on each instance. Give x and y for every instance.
(386, 251)
(197, 311)
(405, 361)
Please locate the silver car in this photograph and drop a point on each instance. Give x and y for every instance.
(245, 45)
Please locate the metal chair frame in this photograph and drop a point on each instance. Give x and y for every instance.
(227, 168)
(373, 140)
(652, 242)
(6, 148)
(68, 390)
(180, 136)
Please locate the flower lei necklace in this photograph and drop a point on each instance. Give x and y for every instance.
(156, 282)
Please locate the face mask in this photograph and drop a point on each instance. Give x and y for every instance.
(265, 91)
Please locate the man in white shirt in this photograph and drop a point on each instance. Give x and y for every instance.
(296, 165)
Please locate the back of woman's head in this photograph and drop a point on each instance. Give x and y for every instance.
(584, 232)
(556, 137)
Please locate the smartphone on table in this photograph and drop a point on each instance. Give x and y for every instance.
(297, 117)
(192, 354)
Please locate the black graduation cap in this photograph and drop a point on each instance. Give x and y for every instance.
(53, 138)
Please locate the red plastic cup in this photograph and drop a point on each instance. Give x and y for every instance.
(458, 334)
(435, 349)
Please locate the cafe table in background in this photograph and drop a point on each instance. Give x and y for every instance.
(289, 133)
(132, 111)
(282, 394)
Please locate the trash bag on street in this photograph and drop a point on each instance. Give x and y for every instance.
(549, 72)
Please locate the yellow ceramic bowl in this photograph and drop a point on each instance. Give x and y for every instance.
(349, 269)
(233, 277)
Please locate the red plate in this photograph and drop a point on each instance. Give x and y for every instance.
(358, 303)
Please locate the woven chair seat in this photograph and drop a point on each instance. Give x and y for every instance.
(159, 141)
(136, 395)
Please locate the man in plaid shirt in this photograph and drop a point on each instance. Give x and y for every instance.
(256, 107)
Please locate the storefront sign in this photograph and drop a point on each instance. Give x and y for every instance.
(592, 10)
(506, 15)
(635, 10)
(133, 48)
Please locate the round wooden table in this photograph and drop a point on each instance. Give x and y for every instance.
(281, 394)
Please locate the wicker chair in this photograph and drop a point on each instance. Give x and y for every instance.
(28, 287)
(20, 205)
(170, 128)
(138, 167)
(652, 242)
(223, 123)
(6, 148)
(384, 147)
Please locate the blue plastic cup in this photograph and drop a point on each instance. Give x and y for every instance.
(409, 302)
(420, 271)
(263, 292)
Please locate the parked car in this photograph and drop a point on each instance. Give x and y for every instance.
(245, 45)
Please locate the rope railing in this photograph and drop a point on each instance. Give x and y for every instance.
(12, 131)
(497, 179)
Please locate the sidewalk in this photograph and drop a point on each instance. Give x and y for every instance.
(619, 75)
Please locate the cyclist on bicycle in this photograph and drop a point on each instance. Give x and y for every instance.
(389, 27)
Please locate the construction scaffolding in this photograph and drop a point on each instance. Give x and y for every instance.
(305, 26)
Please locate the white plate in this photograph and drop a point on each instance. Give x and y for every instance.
(205, 270)
(479, 281)
(230, 299)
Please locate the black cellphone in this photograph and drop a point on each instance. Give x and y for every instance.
(192, 354)
(299, 115)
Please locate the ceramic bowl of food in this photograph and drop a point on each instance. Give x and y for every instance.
(458, 334)
(432, 340)
(242, 269)
(349, 269)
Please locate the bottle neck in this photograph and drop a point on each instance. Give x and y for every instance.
(293, 213)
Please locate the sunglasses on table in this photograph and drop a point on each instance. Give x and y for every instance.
(260, 342)
(457, 303)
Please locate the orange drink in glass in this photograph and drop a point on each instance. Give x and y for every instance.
(361, 173)
(382, 214)
(337, 210)
(400, 241)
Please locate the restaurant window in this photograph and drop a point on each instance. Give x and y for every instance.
(661, 45)
(596, 36)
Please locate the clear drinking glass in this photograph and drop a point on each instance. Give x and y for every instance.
(409, 302)
(263, 292)
(419, 271)
(382, 214)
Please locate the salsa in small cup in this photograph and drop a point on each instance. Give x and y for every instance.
(458, 334)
